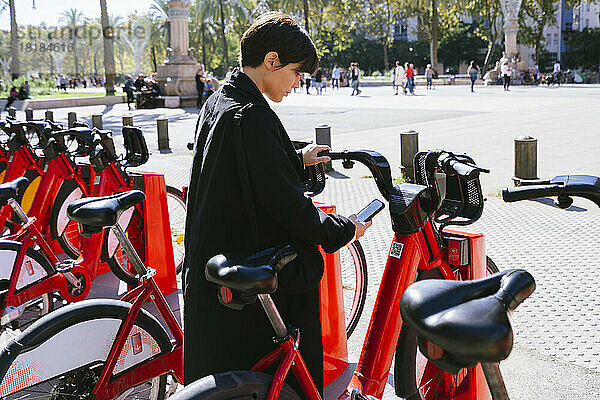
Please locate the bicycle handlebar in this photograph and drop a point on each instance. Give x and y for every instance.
(377, 164)
(562, 186)
(510, 195)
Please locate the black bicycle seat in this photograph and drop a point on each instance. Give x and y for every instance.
(10, 190)
(96, 213)
(254, 274)
(468, 320)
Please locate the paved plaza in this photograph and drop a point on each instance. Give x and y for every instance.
(557, 343)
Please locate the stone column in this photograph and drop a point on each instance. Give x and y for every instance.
(177, 75)
(510, 9)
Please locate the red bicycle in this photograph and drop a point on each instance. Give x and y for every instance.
(422, 248)
(101, 349)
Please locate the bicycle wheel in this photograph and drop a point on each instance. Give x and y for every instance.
(354, 283)
(35, 267)
(177, 213)
(415, 378)
(62, 229)
(34, 365)
(133, 225)
(233, 385)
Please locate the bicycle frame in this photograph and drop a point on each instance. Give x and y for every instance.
(171, 362)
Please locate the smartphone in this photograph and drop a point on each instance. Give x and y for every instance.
(367, 213)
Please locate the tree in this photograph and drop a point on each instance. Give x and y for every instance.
(109, 52)
(378, 24)
(489, 13)
(223, 11)
(73, 18)
(295, 5)
(14, 42)
(534, 15)
(136, 42)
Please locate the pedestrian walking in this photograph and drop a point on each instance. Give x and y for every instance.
(399, 75)
(410, 83)
(506, 71)
(429, 76)
(335, 77)
(354, 78)
(128, 88)
(319, 81)
(307, 80)
(12, 97)
(473, 72)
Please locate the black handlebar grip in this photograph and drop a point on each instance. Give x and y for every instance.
(510, 195)
(463, 169)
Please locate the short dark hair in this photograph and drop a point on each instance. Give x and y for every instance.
(278, 32)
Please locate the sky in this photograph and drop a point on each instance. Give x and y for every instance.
(49, 10)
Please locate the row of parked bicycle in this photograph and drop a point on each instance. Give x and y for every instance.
(446, 333)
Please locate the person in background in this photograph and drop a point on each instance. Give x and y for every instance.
(556, 70)
(128, 88)
(139, 83)
(410, 83)
(307, 80)
(319, 81)
(200, 85)
(228, 74)
(335, 77)
(399, 75)
(506, 71)
(429, 76)
(473, 72)
(12, 97)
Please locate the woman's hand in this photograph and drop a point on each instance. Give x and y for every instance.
(310, 157)
(361, 227)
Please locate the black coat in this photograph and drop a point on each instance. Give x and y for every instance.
(217, 338)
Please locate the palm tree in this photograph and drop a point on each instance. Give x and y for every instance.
(109, 51)
(223, 11)
(73, 18)
(14, 39)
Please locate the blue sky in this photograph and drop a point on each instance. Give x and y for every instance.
(49, 10)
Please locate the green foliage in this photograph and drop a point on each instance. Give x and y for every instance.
(534, 15)
(584, 49)
(462, 44)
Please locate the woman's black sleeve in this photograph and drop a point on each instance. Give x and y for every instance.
(277, 189)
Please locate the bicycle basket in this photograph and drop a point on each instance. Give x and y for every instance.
(136, 151)
(463, 197)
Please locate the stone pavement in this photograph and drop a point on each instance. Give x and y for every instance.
(557, 343)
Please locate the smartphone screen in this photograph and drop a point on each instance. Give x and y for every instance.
(367, 213)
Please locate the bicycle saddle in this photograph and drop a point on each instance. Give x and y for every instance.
(96, 213)
(10, 190)
(468, 320)
(254, 274)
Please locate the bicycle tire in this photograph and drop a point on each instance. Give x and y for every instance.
(62, 229)
(118, 262)
(177, 214)
(80, 329)
(354, 283)
(36, 307)
(233, 385)
(408, 359)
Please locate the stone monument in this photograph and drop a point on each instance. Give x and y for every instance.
(177, 75)
(510, 9)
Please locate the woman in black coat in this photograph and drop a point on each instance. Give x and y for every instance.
(275, 51)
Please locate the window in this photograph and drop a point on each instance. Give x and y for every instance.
(587, 23)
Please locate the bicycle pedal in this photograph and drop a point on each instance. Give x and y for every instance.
(65, 266)
(357, 395)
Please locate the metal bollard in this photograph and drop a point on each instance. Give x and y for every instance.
(525, 160)
(323, 136)
(49, 115)
(163, 133)
(97, 121)
(127, 120)
(409, 146)
(12, 112)
(72, 117)
(28, 114)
